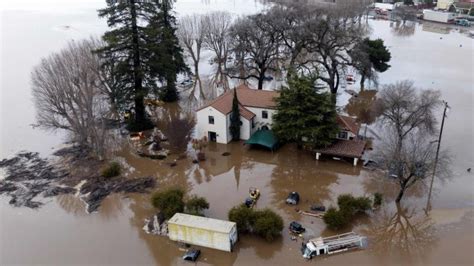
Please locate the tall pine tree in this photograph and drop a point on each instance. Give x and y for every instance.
(128, 43)
(235, 118)
(167, 51)
(305, 115)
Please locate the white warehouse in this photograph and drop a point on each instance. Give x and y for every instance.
(256, 110)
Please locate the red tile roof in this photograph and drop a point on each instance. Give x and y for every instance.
(348, 123)
(247, 98)
(345, 148)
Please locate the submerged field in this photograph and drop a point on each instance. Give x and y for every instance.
(61, 232)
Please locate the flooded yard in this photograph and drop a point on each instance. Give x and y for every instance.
(62, 233)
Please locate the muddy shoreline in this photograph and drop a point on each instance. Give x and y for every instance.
(30, 179)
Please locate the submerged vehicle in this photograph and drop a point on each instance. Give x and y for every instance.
(293, 198)
(333, 244)
(192, 255)
(296, 228)
(254, 194)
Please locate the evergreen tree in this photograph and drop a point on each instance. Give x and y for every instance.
(305, 115)
(235, 118)
(167, 51)
(128, 43)
(369, 56)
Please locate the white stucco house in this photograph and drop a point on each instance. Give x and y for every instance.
(257, 108)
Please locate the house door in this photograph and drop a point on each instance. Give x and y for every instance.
(212, 136)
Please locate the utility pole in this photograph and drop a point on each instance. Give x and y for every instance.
(428, 203)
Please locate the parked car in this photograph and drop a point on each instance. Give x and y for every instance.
(249, 202)
(463, 22)
(293, 198)
(296, 228)
(192, 255)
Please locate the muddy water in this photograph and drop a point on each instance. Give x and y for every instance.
(61, 233)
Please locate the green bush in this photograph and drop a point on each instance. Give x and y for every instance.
(111, 170)
(353, 205)
(169, 201)
(336, 219)
(195, 205)
(378, 198)
(264, 223)
(267, 224)
(349, 206)
(243, 216)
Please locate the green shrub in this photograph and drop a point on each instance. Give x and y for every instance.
(353, 205)
(267, 224)
(264, 223)
(349, 206)
(169, 201)
(378, 198)
(111, 170)
(243, 217)
(337, 219)
(195, 205)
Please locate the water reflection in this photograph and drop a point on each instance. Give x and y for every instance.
(177, 125)
(401, 231)
(403, 29)
(111, 208)
(363, 106)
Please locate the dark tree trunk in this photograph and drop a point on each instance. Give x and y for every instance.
(261, 78)
(400, 195)
(139, 93)
(362, 82)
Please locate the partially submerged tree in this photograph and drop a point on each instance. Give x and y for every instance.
(235, 118)
(167, 54)
(305, 114)
(217, 39)
(67, 95)
(256, 47)
(196, 205)
(129, 46)
(169, 201)
(408, 118)
(369, 57)
(264, 223)
(333, 35)
(191, 32)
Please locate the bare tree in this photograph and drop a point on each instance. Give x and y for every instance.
(408, 151)
(67, 95)
(333, 35)
(191, 34)
(217, 39)
(257, 42)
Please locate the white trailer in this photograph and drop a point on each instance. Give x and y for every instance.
(333, 244)
(203, 231)
(438, 16)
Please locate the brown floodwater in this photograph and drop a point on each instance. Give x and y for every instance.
(62, 233)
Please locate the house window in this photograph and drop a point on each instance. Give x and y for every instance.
(211, 120)
(342, 135)
(253, 123)
(264, 114)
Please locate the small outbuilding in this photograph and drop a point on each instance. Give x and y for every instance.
(344, 148)
(203, 231)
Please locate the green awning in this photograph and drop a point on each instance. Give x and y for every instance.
(264, 138)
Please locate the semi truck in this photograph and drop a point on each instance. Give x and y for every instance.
(203, 231)
(333, 244)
